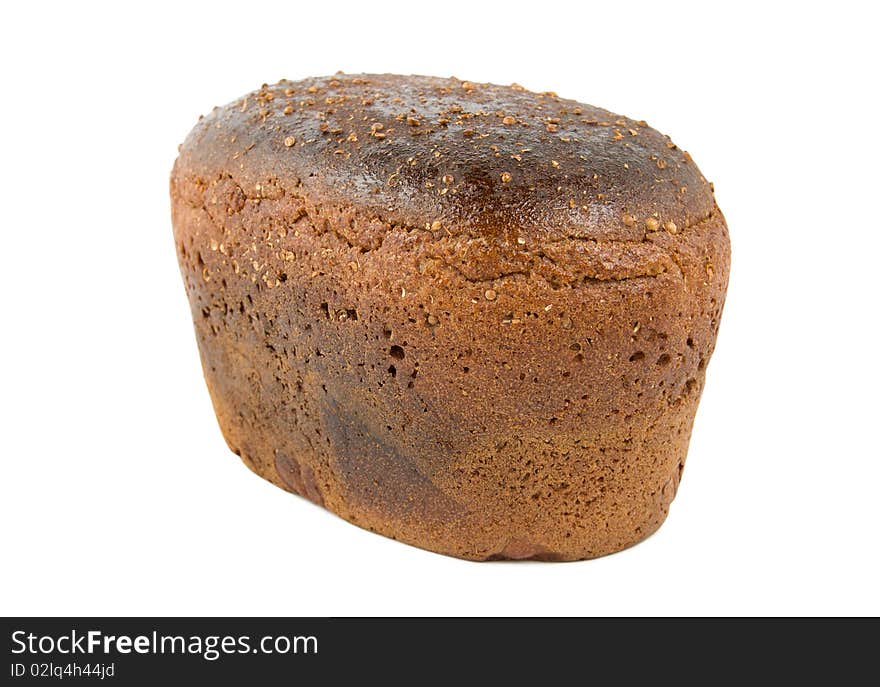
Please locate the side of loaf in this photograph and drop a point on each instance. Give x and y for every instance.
(469, 317)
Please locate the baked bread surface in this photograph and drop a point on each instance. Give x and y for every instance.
(466, 316)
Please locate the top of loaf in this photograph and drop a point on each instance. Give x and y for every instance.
(455, 157)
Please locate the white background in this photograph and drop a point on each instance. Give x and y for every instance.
(119, 495)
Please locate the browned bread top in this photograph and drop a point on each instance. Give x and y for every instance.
(453, 158)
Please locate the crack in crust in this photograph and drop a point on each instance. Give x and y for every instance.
(564, 261)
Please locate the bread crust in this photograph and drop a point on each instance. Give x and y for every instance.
(469, 317)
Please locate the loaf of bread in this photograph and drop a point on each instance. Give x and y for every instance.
(470, 317)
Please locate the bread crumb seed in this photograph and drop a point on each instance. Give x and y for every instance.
(554, 163)
(490, 295)
(289, 141)
(433, 321)
(651, 224)
(436, 225)
(505, 177)
(508, 120)
(629, 220)
(448, 179)
(671, 227)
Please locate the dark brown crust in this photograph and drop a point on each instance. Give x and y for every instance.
(575, 170)
(481, 327)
